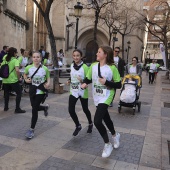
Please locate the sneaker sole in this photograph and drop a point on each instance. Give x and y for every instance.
(29, 137)
(109, 155)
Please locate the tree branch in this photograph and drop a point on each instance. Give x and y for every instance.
(39, 7)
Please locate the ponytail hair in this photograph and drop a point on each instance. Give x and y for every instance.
(11, 53)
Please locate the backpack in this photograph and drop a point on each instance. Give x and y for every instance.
(4, 71)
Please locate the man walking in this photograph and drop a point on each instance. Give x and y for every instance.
(120, 63)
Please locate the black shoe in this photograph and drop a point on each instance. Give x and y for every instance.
(46, 110)
(6, 109)
(77, 130)
(19, 111)
(111, 105)
(149, 82)
(90, 127)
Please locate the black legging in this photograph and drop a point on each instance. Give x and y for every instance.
(17, 89)
(151, 77)
(71, 109)
(100, 115)
(35, 103)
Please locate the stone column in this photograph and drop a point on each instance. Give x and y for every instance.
(30, 19)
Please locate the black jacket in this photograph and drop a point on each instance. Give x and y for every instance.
(121, 67)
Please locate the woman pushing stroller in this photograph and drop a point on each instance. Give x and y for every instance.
(132, 83)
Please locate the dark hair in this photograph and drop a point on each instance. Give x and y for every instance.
(22, 51)
(46, 55)
(79, 51)
(136, 59)
(117, 48)
(5, 47)
(11, 53)
(109, 51)
(30, 53)
(61, 50)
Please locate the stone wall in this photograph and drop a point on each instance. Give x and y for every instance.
(13, 33)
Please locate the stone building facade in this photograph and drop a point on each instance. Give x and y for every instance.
(64, 28)
(13, 23)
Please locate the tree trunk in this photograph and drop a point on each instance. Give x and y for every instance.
(95, 34)
(54, 53)
(123, 50)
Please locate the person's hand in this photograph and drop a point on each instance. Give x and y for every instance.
(84, 86)
(68, 82)
(79, 78)
(47, 85)
(102, 81)
(28, 80)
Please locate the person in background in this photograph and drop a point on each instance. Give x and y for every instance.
(134, 68)
(12, 82)
(3, 52)
(42, 51)
(23, 59)
(29, 57)
(152, 70)
(120, 64)
(46, 61)
(60, 55)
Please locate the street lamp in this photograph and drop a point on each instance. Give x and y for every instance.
(128, 50)
(114, 38)
(77, 13)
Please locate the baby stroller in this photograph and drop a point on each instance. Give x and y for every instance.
(130, 92)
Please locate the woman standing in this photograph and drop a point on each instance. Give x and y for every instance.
(39, 77)
(23, 59)
(105, 78)
(12, 82)
(78, 73)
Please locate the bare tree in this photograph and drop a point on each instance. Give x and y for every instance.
(45, 13)
(98, 6)
(157, 22)
(121, 17)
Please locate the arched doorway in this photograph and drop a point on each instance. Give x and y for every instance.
(91, 50)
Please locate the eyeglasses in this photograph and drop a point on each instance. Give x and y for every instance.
(117, 51)
(133, 60)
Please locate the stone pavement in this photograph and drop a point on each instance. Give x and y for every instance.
(143, 144)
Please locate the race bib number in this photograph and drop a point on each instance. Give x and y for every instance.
(100, 90)
(75, 86)
(37, 81)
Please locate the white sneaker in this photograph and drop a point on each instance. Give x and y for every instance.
(107, 150)
(116, 140)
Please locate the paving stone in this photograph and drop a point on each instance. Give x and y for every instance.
(165, 127)
(19, 124)
(104, 163)
(18, 159)
(87, 143)
(5, 149)
(65, 154)
(146, 168)
(84, 158)
(60, 110)
(60, 164)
